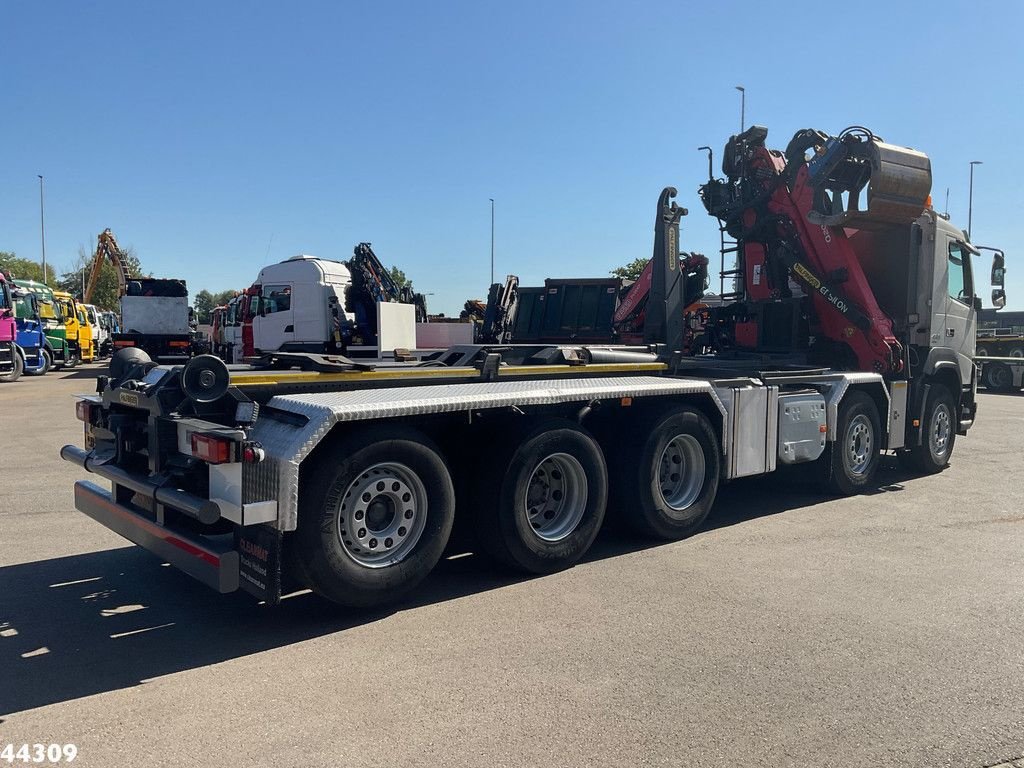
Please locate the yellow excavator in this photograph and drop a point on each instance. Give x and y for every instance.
(106, 248)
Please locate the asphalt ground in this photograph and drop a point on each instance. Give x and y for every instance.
(884, 629)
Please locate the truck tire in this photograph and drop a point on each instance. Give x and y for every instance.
(47, 363)
(374, 516)
(939, 433)
(542, 505)
(665, 475)
(997, 377)
(1017, 352)
(849, 462)
(17, 368)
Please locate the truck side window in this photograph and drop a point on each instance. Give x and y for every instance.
(959, 281)
(277, 298)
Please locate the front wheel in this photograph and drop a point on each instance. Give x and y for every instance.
(851, 460)
(46, 362)
(17, 367)
(374, 518)
(666, 475)
(939, 432)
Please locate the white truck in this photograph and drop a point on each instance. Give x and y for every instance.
(301, 306)
(156, 318)
(347, 478)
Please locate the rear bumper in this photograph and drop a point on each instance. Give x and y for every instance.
(213, 565)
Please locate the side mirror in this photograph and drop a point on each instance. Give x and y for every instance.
(977, 304)
(998, 298)
(998, 270)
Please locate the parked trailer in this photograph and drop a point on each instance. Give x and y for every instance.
(1001, 374)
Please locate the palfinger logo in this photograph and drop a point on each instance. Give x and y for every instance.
(806, 274)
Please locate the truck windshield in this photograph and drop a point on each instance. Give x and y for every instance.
(24, 308)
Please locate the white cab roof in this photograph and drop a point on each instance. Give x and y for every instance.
(305, 269)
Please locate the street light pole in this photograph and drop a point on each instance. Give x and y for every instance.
(970, 198)
(743, 106)
(492, 240)
(42, 227)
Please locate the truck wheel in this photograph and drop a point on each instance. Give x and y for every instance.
(18, 367)
(939, 433)
(998, 377)
(1017, 352)
(374, 517)
(542, 507)
(666, 475)
(46, 363)
(850, 461)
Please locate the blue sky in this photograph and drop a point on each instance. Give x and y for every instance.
(219, 137)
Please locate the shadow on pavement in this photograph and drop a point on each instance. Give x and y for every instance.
(86, 624)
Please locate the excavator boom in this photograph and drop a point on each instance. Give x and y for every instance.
(106, 248)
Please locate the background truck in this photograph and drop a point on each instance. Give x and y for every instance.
(101, 340)
(301, 306)
(79, 339)
(54, 326)
(11, 363)
(156, 318)
(33, 343)
(320, 471)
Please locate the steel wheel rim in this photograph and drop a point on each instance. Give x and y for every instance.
(859, 444)
(382, 515)
(941, 429)
(681, 473)
(556, 497)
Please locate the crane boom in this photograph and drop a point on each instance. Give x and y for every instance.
(106, 248)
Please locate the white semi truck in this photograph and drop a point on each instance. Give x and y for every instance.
(301, 306)
(317, 471)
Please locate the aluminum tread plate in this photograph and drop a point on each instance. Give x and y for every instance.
(287, 445)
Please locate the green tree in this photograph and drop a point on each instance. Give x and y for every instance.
(203, 304)
(106, 294)
(630, 271)
(26, 269)
(219, 299)
(399, 277)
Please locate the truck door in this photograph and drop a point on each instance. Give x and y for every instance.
(960, 321)
(275, 325)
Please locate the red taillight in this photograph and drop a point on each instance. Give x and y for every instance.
(122, 343)
(211, 449)
(253, 454)
(83, 411)
(178, 343)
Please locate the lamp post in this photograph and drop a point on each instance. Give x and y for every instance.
(743, 105)
(492, 240)
(970, 198)
(42, 227)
